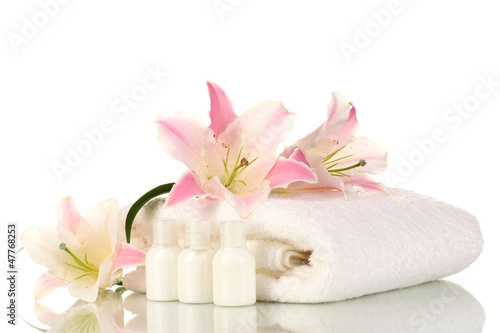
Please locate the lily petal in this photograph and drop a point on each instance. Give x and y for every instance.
(47, 283)
(128, 256)
(286, 171)
(364, 148)
(308, 142)
(325, 180)
(221, 109)
(83, 291)
(243, 204)
(351, 127)
(68, 216)
(108, 276)
(339, 114)
(185, 188)
(259, 130)
(42, 245)
(98, 230)
(183, 137)
(246, 204)
(288, 151)
(368, 184)
(299, 155)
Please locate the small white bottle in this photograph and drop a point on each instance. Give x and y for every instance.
(195, 264)
(234, 267)
(161, 261)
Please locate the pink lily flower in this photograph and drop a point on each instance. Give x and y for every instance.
(340, 159)
(233, 159)
(81, 251)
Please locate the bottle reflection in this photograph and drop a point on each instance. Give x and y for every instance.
(241, 319)
(195, 318)
(163, 316)
(181, 317)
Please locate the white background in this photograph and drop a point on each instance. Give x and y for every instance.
(72, 71)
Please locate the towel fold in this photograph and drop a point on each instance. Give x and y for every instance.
(318, 247)
(276, 256)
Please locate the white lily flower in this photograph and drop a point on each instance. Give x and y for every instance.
(81, 252)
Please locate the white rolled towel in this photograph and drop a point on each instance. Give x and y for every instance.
(318, 247)
(276, 256)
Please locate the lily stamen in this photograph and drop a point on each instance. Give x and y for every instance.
(340, 173)
(330, 163)
(326, 158)
(231, 178)
(86, 267)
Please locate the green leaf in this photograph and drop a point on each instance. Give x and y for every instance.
(157, 191)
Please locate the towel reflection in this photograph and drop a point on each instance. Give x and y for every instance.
(439, 306)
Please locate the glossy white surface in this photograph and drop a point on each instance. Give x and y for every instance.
(435, 307)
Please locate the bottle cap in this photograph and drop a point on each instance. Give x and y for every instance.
(233, 234)
(198, 233)
(165, 231)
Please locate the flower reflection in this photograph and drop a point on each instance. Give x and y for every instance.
(104, 315)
